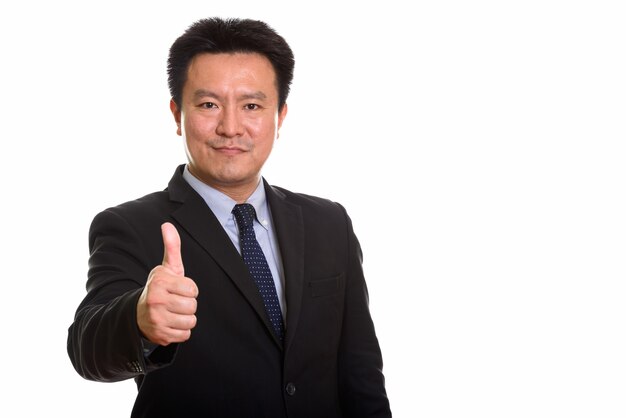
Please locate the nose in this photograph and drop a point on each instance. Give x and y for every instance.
(229, 124)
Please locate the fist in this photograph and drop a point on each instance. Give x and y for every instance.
(167, 306)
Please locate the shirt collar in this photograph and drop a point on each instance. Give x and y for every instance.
(222, 205)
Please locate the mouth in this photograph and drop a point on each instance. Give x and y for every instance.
(229, 150)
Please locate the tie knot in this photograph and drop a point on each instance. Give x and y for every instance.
(244, 215)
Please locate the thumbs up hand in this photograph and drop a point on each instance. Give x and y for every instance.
(167, 306)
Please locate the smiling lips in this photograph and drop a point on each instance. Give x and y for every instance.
(229, 150)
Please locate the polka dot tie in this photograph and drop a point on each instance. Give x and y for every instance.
(257, 264)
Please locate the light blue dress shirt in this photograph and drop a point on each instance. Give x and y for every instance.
(221, 205)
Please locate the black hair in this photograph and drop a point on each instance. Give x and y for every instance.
(216, 35)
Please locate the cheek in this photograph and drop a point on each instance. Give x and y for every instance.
(263, 152)
(264, 144)
(197, 128)
(264, 134)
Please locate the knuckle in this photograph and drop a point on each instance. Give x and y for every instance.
(153, 302)
(153, 316)
(191, 287)
(161, 339)
(189, 306)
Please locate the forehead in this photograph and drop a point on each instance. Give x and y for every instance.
(238, 68)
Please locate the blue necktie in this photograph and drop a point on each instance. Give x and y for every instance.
(257, 264)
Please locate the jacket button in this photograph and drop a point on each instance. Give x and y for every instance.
(290, 389)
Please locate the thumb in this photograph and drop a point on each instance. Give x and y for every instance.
(171, 255)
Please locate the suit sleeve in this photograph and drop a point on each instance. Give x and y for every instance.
(104, 342)
(361, 380)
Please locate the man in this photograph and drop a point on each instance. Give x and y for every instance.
(223, 296)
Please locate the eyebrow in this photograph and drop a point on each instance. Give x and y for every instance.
(200, 93)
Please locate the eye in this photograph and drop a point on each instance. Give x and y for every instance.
(208, 105)
(252, 106)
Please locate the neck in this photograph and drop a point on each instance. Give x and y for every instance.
(239, 192)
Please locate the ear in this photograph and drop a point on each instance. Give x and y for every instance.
(177, 117)
(281, 116)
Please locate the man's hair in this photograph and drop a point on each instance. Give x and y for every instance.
(215, 36)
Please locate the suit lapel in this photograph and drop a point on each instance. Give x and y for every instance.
(289, 225)
(195, 217)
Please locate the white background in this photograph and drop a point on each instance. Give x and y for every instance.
(478, 146)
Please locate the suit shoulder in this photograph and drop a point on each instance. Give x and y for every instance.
(307, 200)
(316, 208)
(152, 205)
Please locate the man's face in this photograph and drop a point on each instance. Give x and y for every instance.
(229, 118)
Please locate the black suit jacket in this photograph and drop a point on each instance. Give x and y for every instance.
(233, 365)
